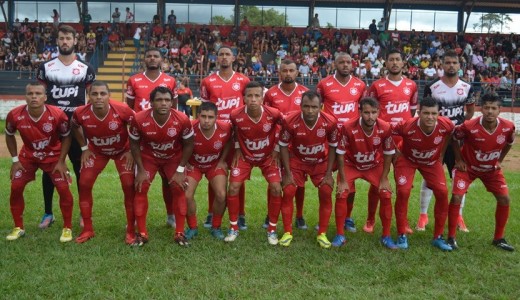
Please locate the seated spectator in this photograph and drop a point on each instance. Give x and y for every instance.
(361, 71)
(25, 65)
(3, 54)
(305, 72)
(478, 62)
(113, 41)
(430, 73)
(375, 72)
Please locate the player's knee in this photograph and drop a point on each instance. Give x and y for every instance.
(289, 190)
(275, 189)
(233, 189)
(220, 195)
(385, 194)
(503, 200)
(456, 199)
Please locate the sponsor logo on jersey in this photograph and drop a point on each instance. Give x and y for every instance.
(41, 144)
(338, 108)
(392, 108)
(47, 127)
(171, 132)
(473, 131)
(205, 159)
(256, 145)
(423, 154)
(311, 150)
(113, 125)
(107, 141)
(487, 156)
(227, 103)
(328, 83)
(364, 158)
(65, 92)
(162, 146)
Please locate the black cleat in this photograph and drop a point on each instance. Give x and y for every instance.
(453, 243)
(502, 244)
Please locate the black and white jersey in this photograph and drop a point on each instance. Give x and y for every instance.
(451, 99)
(66, 85)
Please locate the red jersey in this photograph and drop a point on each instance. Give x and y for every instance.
(227, 95)
(419, 147)
(395, 101)
(341, 101)
(481, 149)
(364, 151)
(139, 87)
(108, 136)
(256, 139)
(285, 103)
(309, 145)
(161, 141)
(41, 137)
(207, 151)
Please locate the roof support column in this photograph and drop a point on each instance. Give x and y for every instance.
(237, 13)
(311, 11)
(387, 12)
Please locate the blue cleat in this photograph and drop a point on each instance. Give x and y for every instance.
(242, 222)
(190, 233)
(388, 242)
(402, 242)
(209, 220)
(266, 223)
(440, 243)
(350, 225)
(339, 240)
(217, 233)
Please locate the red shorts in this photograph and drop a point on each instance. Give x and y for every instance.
(300, 171)
(31, 166)
(165, 167)
(398, 142)
(373, 176)
(404, 173)
(96, 165)
(210, 173)
(494, 181)
(242, 171)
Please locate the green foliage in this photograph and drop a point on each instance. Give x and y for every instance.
(221, 20)
(489, 21)
(258, 17)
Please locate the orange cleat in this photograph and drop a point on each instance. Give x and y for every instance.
(423, 221)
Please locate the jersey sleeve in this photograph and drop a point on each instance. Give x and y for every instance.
(134, 131)
(10, 124)
(470, 100)
(91, 75)
(460, 132)
(63, 124)
(75, 121)
(372, 91)
(204, 91)
(343, 141)
(333, 135)
(319, 90)
(40, 74)
(187, 129)
(285, 135)
(388, 143)
(130, 92)
(414, 100)
(511, 137)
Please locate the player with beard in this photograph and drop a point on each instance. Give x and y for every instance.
(225, 88)
(66, 79)
(453, 94)
(286, 97)
(137, 96)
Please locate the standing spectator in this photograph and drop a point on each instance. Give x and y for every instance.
(184, 93)
(116, 15)
(137, 38)
(55, 19)
(315, 22)
(373, 29)
(86, 21)
(172, 21)
(129, 20)
(381, 26)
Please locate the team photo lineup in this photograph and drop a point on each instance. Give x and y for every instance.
(341, 132)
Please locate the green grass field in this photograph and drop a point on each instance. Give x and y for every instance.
(39, 266)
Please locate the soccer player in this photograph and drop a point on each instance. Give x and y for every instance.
(453, 95)
(425, 139)
(212, 141)
(45, 133)
(101, 129)
(225, 88)
(341, 93)
(365, 151)
(137, 96)
(254, 127)
(66, 79)
(397, 97)
(161, 140)
(486, 142)
(308, 143)
(286, 97)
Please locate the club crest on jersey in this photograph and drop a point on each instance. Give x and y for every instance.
(501, 139)
(461, 184)
(402, 180)
(267, 127)
(75, 71)
(217, 145)
(235, 172)
(407, 90)
(321, 132)
(89, 163)
(112, 125)
(236, 86)
(171, 132)
(18, 174)
(297, 100)
(460, 91)
(376, 141)
(353, 91)
(47, 127)
(437, 140)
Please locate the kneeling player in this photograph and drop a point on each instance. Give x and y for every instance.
(366, 150)
(486, 141)
(212, 141)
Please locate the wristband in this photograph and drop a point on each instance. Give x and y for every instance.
(237, 145)
(84, 148)
(180, 169)
(277, 148)
(15, 159)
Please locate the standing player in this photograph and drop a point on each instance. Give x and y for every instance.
(308, 143)
(225, 88)
(397, 97)
(286, 97)
(137, 96)
(365, 151)
(425, 139)
(486, 142)
(254, 127)
(161, 140)
(341, 93)
(212, 141)
(66, 79)
(101, 129)
(41, 127)
(453, 95)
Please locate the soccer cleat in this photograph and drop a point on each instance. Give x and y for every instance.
(181, 239)
(15, 234)
(422, 222)
(440, 243)
(85, 236)
(81, 222)
(388, 242)
(407, 228)
(350, 225)
(502, 244)
(323, 241)
(209, 220)
(402, 242)
(272, 238)
(232, 236)
(266, 223)
(191, 233)
(242, 222)
(286, 239)
(453, 243)
(339, 240)
(66, 235)
(217, 233)
(461, 225)
(170, 221)
(46, 221)
(301, 224)
(140, 240)
(130, 238)
(369, 226)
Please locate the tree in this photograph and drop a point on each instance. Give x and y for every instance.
(221, 20)
(256, 17)
(491, 20)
